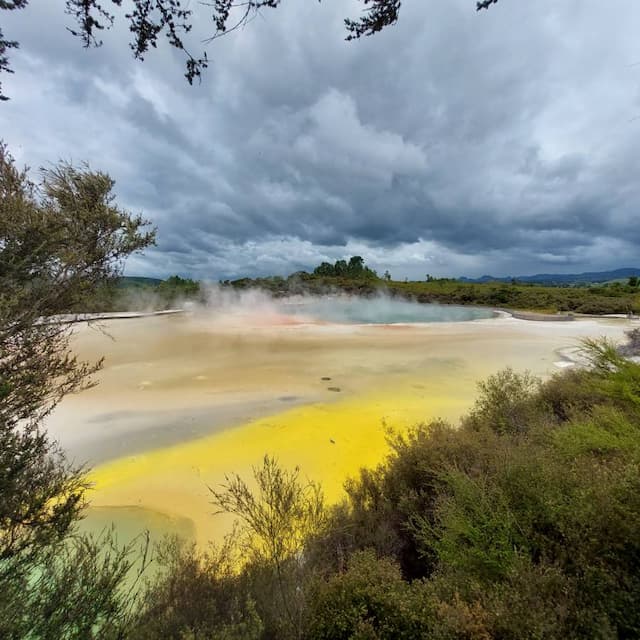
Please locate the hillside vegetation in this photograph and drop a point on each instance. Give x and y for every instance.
(355, 278)
(597, 299)
(142, 294)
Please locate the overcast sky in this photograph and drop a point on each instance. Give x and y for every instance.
(454, 143)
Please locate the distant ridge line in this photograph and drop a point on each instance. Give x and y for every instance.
(562, 278)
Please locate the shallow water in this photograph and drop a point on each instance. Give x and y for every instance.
(380, 310)
(185, 400)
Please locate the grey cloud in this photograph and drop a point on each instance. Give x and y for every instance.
(453, 143)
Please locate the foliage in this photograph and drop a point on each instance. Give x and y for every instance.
(5, 44)
(550, 299)
(507, 403)
(255, 584)
(369, 601)
(143, 294)
(197, 595)
(58, 241)
(328, 278)
(82, 588)
(522, 522)
(175, 287)
(602, 299)
(273, 524)
(276, 520)
(166, 294)
(522, 532)
(355, 269)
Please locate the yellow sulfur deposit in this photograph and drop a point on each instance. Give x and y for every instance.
(329, 442)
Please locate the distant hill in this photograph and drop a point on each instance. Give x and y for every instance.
(562, 278)
(137, 281)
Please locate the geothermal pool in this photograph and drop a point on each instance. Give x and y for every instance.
(380, 310)
(185, 399)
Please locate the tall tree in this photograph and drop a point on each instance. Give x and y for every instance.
(59, 240)
(356, 265)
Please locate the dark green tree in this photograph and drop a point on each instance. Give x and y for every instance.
(356, 266)
(324, 269)
(341, 268)
(59, 240)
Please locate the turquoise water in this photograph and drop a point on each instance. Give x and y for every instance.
(354, 310)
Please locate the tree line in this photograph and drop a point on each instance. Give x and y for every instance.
(354, 268)
(616, 297)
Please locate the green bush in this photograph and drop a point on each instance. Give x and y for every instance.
(507, 404)
(196, 595)
(369, 601)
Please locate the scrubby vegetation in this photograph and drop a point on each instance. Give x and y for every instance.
(601, 299)
(142, 294)
(521, 522)
(614, 297)
(355, 278)
(59, 241)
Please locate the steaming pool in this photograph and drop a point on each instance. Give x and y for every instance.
(185, 399)
(379, 310)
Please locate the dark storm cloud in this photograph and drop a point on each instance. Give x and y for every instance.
(455, 142)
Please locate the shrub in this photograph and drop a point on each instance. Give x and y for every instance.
(273, 523)
(507, 403)
(197, 595)
(369, 601)
(522, 522)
